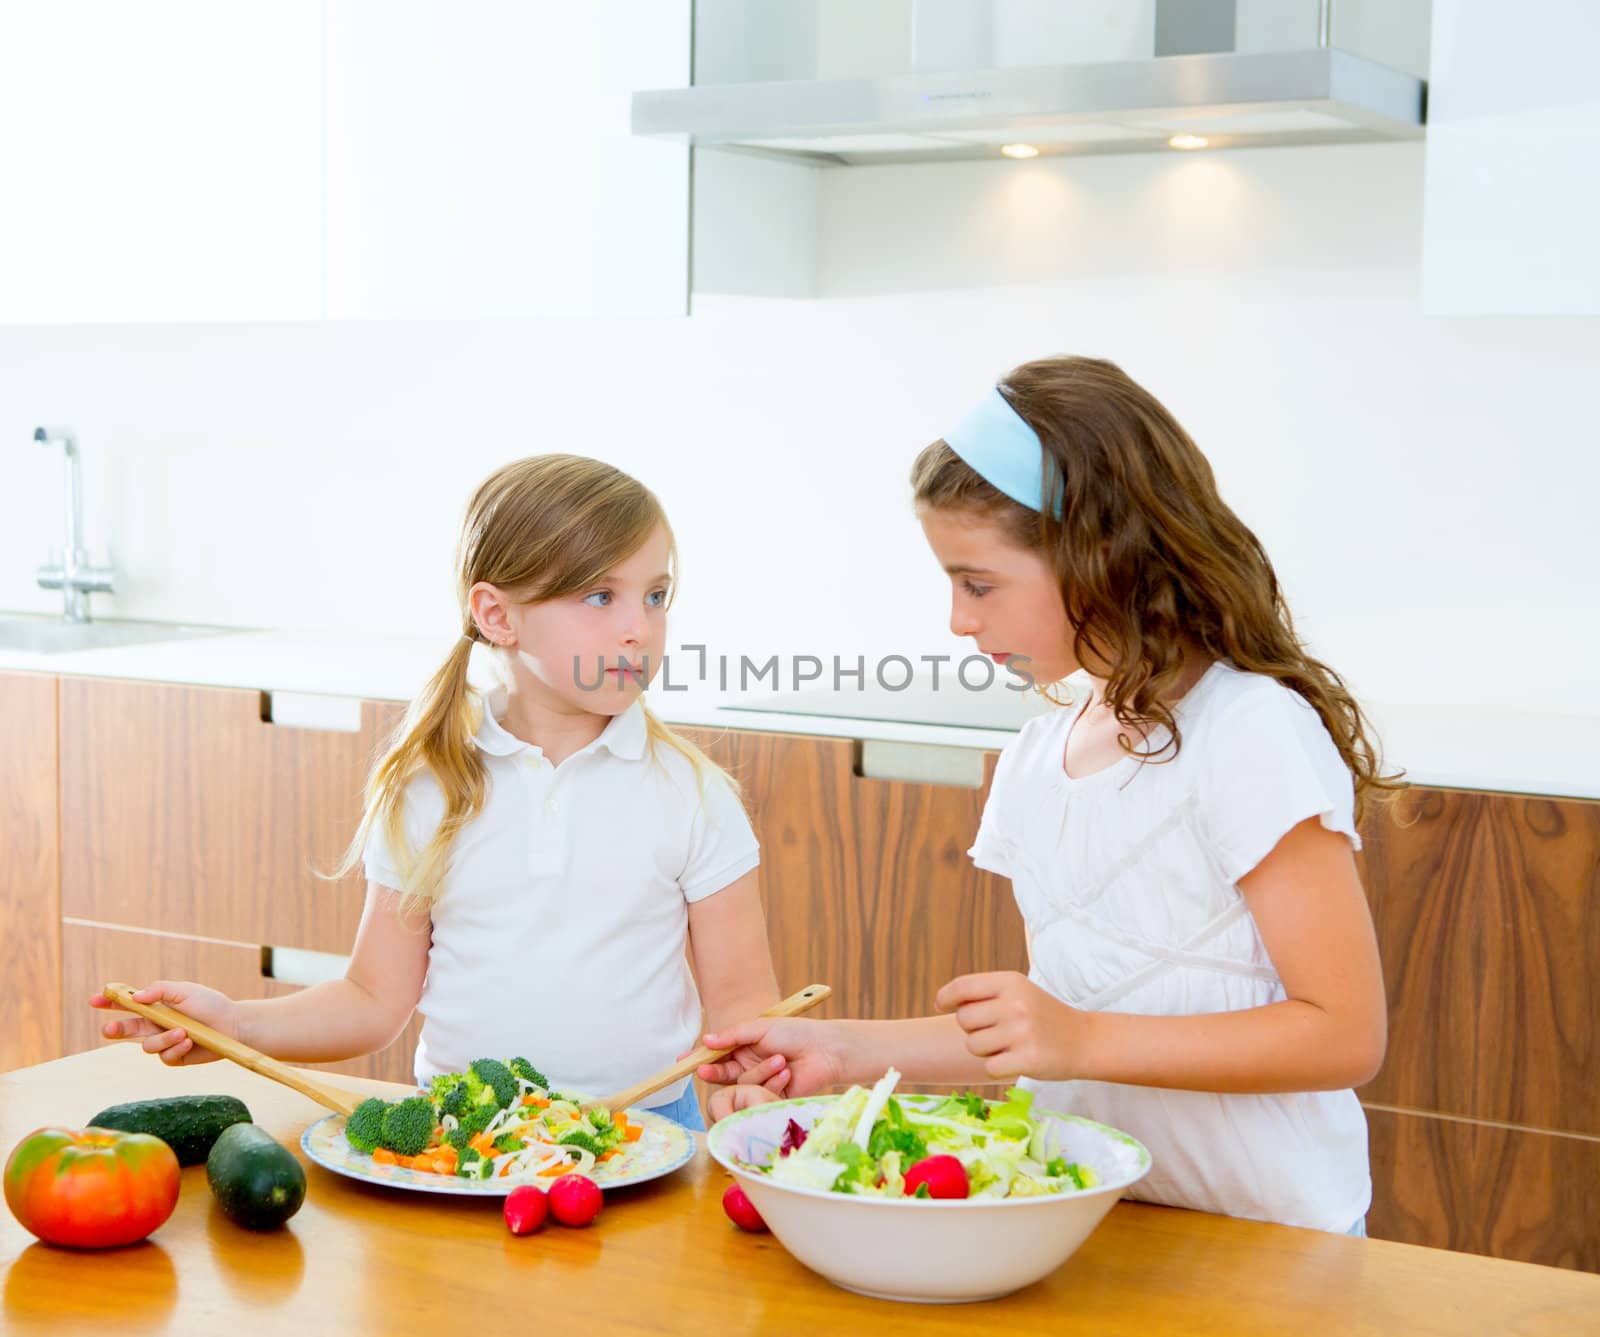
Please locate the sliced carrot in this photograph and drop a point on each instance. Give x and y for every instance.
(483, 1144)
(632, 1133)
(558, 1169)
(443, 1165)
(609, 1155)
(539, 1102)
(384, 1156)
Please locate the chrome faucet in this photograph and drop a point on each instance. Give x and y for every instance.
(73, 576)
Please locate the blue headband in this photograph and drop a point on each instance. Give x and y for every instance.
(995, 442)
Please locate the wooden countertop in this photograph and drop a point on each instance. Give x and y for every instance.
(662, 1258)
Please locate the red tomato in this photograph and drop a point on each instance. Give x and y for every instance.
(945, 1177)
(91, 1190)
(575, 1200)
(526, 1209)
(741, 1211)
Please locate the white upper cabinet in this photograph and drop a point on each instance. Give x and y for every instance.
(1512, 185)
(160, 161)
(480, 162)
(338, 159)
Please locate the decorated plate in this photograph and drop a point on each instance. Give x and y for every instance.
(665, 1146)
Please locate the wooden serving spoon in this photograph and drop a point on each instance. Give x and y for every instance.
(344, 1102)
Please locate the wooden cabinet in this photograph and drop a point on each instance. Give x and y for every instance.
(1486, 1117)
(192, 835)
(93, 955)
(866, 882)
(184, 811)
(30, 883)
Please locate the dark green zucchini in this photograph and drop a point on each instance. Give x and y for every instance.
(257, 1183)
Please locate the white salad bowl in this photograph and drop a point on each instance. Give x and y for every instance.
(929, 1251)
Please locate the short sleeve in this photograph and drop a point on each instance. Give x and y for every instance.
(722, 844)
(1270, 766)
(424, 808)
(993, 847)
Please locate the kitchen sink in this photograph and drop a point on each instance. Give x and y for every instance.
(54, 635)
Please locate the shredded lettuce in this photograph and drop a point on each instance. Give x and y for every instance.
(866, 1141)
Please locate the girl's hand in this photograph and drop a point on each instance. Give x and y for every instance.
(217, 1010)
(811, 1052)
(725, 1099)
(1014, 1026)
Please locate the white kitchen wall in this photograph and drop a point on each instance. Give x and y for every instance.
(1425, 485)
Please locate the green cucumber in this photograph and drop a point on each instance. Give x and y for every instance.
(257, 1183)
(190, 1125)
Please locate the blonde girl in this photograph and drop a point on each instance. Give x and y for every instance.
(550, 870)
(1178, 834)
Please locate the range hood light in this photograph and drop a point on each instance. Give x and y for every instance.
(1024, 150)
(1188, 142)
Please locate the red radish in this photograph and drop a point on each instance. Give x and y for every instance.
(741, 1211)
(945, 1177)
(526, 1208)
(575, 1200)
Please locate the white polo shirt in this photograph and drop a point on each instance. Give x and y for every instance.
(561, 930)
(1128, 880)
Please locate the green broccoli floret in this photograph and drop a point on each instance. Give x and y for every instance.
(474, 1166)
(520, 1067)
(450, 1093)
(364, 1128)
(601, 1118)
(476, 1119)
(465, 1161)
(508, 1142)
(408, 1126)
(580, 1139)
(495, 1075)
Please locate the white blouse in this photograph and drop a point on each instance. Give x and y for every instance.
(1127, 880)
(561, 931)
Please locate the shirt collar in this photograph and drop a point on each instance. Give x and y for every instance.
(625, 736)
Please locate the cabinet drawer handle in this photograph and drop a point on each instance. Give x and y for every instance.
(296, 965)
(919, 763)
(304, 710)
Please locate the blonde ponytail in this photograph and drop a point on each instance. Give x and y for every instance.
(437, 736)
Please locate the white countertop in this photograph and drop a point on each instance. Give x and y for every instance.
(1512, 751)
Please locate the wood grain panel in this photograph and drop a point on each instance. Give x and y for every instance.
(1486, 910)
(94, 955)
(1480, 1188)
(30, 875)
(866, 882)
(183, 811)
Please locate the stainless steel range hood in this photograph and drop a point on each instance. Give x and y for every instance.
(1217, 99)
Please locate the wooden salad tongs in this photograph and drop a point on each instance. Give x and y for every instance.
(334, 1097)
(792, 1006)
(344, 1102)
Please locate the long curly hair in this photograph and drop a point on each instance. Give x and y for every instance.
(1148, 555)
